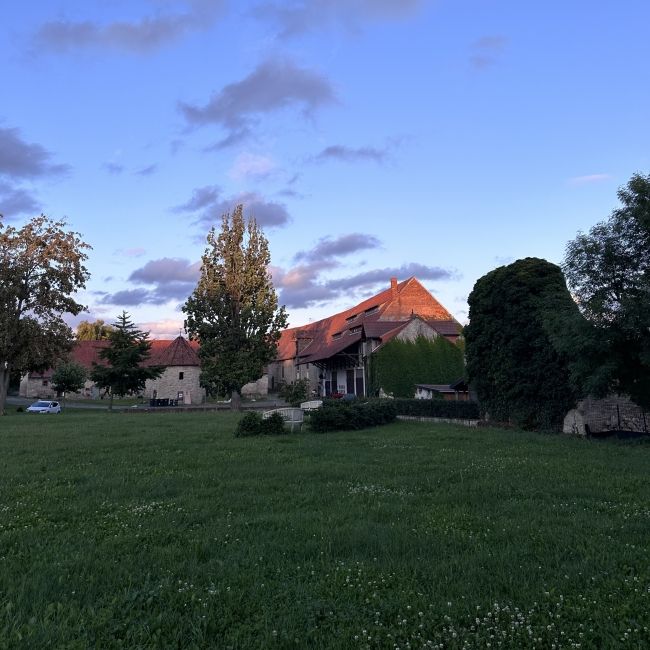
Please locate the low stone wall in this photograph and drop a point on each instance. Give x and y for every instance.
(465, 423)
(615, 413)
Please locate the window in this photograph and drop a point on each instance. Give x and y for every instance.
(180, 375)
(44, 382)
(372, 310)
(337, 335)
(354, 330)
(349, 319)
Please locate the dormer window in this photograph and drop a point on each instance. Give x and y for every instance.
(372, 310)
(336, 335)
(349, 319)
(354, 330)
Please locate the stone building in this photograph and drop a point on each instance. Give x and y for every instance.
(333, 352)
(179, 381)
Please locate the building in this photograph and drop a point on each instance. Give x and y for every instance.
(179, 380)
(333, 353)
(457, 391)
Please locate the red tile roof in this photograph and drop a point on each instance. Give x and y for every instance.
(179, 352)
(381, 316)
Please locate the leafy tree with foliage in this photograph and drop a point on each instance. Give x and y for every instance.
(399, 365)
(93, 331)
(233, 310)
(608, 271)
(41, 267)
(128, 350)
(69, 377)
(511, 362)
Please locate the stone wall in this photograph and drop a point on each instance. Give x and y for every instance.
(168, 385)
(614, 413)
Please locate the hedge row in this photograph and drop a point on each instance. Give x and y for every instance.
(437, 408)
(341, 415)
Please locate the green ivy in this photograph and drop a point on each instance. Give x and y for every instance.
(399, 365)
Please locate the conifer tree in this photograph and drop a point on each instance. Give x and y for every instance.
(125, 373)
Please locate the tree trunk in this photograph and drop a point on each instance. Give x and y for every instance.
(5, 370)
(235, 401)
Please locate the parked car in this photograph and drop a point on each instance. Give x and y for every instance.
(44, 406)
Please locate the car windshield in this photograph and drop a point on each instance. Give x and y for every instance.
(41, 404)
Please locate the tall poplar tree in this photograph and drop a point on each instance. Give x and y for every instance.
(234, 312)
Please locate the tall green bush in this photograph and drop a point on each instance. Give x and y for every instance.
(399, 365)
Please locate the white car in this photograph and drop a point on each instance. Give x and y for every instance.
(43, 406)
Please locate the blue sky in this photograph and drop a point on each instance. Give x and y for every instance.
(370, 138)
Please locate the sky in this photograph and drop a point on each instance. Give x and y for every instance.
(370, 139)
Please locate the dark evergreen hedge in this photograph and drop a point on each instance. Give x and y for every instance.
(437, 408)
(343, 416)
(399, 365)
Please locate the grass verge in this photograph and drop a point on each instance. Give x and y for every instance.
(163, 530)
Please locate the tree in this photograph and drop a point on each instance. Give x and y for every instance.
(233, 311)
(41, 267)
(511, 361)
(93, 331)
(608, 271)
(69, 377)
(128, 350)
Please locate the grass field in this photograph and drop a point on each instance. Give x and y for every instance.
(165, 531)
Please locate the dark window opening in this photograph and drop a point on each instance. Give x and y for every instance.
(180, 375)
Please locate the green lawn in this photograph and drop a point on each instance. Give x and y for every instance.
(165, 531)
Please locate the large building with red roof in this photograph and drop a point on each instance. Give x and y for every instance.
(333, 353)
(179, 381)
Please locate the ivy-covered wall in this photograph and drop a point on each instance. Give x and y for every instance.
(399, 365)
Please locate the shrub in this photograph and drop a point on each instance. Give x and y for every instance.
(338, 415)
(435, 408)
(253, 424)
(296, 392)
(249, 425)
(273, 425)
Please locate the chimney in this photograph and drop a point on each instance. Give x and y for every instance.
(393, 286)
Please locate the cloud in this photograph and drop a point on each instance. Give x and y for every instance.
(166, 279)
(274, 85)
(131, 252)
(486, 51)
(147, 171)
(295, 18)
(328, 248)
(350, 154)
(113, 168)
(304, 284)
(145, 35)
(589, 179)
(20, 159)
(208, 206)
(127, 298)
(163, 329)
(252, 166)
(165, 270)
(15, 201)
